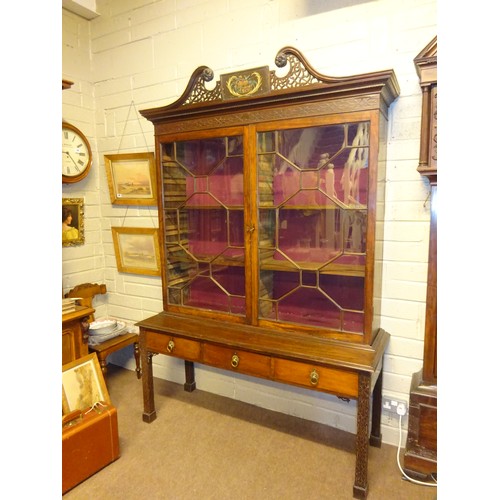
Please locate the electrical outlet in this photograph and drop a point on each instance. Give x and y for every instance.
(394, 406)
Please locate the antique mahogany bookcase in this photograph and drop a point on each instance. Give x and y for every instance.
(271, 204)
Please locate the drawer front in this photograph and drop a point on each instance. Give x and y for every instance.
(239, 361)
(173, 346)
(340, 382)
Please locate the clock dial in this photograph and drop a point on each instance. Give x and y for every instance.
(76, 154)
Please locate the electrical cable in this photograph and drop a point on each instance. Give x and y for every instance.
(423, 483)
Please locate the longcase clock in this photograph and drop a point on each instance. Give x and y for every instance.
(421, 447)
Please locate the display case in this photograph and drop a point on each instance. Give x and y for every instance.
(271, 216)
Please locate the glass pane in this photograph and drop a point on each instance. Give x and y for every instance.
(313, 195)
(312, 298)
(330, 159)
(204, 238)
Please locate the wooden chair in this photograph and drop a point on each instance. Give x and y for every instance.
(87, 291)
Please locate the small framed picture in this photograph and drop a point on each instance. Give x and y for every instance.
(131, 178)
(72, 222)
(137, 250)
(83, 384)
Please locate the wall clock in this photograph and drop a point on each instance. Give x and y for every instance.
(76, 154)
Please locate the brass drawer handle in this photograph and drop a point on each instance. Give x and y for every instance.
(170, 345)
(235, 361)
(314, 377)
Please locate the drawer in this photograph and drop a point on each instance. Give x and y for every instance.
(239, 361)
(336, 381)
(173, 346)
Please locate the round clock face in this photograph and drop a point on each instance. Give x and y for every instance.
(76, 154)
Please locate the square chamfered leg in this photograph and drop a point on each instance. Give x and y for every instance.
(376, 434)
(360, 488)
(190, 384)
(149, 413)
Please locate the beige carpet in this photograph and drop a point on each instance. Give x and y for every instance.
(203, 446)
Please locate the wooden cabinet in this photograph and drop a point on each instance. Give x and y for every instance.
(271, 221)
(421, 446)
(75, 327)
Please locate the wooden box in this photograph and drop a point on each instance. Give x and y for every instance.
(89, 443)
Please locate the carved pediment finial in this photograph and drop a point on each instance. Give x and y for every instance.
(299, 74)
(197, 91)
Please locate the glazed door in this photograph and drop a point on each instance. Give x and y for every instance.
(203, 213)
(268, 225)
(312, 219)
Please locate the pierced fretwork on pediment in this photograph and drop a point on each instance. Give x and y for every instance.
(300, 74)
(243, 88)
(199, 91)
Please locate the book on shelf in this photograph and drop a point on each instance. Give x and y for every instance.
(178, 280)
(178, 182)
(69, 305)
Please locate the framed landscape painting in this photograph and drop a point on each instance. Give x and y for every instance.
(137, 250)
(83, 384)
(131, 178)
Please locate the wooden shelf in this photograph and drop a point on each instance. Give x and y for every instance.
(335, 269)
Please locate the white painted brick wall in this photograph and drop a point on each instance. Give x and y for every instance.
(144, 52)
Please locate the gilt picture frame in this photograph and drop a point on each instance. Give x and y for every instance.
(137, 250)
(83, 384)
(72, 222)
(131, 179)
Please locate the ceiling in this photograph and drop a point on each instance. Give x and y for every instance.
(82, 8)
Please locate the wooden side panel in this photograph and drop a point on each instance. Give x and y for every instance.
(75, 327)
(68, 345)
(420, 457)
